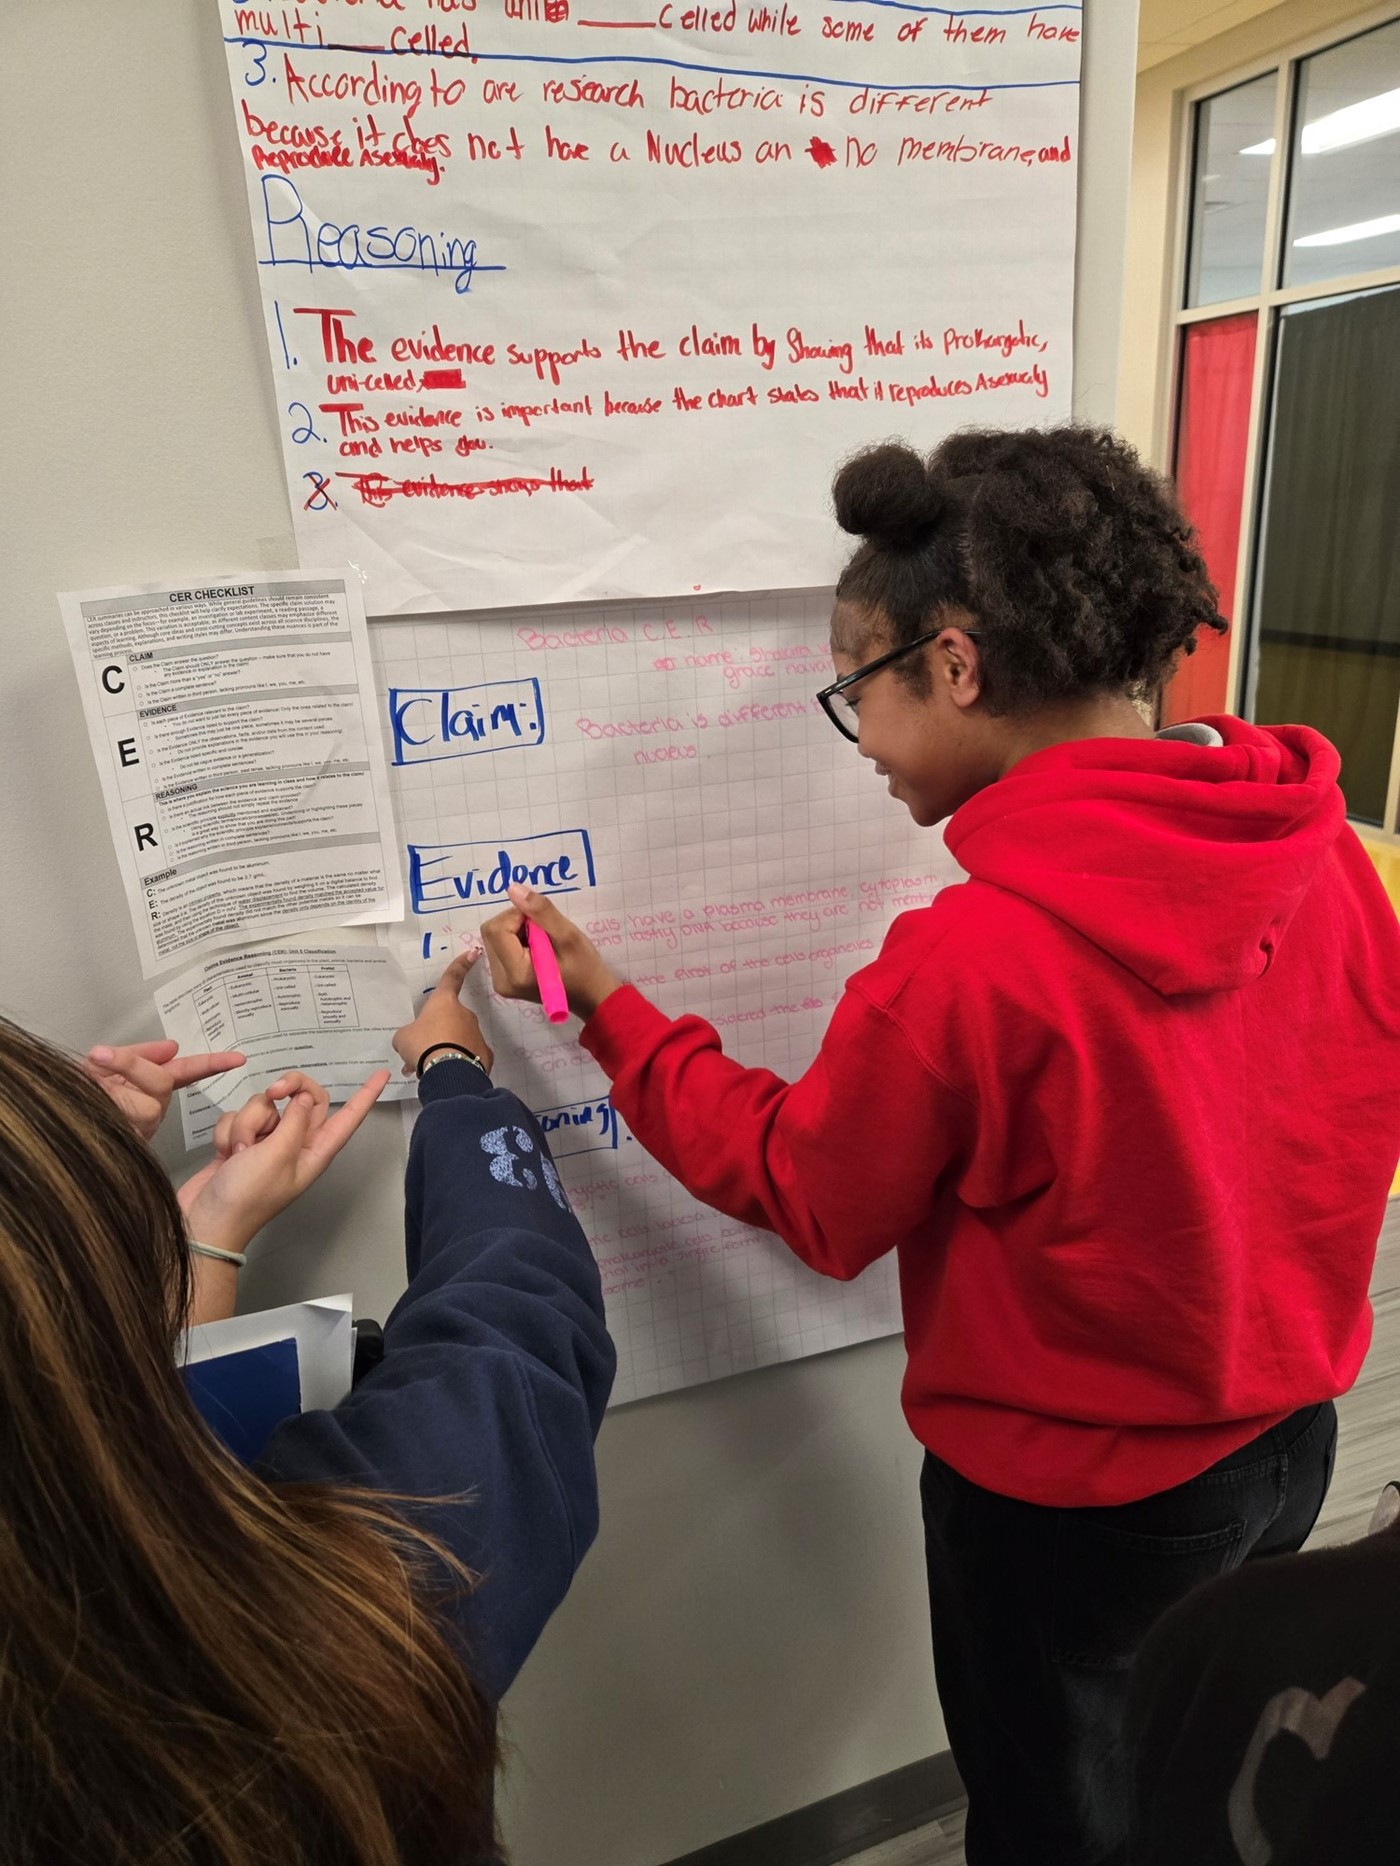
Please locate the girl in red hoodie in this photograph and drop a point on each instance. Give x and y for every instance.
(1125, 1102)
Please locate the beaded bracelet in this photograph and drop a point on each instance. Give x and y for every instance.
(457, 1049)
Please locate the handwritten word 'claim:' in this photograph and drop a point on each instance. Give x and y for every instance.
(459, 722)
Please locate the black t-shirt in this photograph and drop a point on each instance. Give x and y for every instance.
(1265, 1716)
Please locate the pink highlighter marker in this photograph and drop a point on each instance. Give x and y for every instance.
(546, 966)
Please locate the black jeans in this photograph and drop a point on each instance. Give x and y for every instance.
(1037, 1614)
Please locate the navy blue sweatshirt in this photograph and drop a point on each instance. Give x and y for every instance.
(497, 1366)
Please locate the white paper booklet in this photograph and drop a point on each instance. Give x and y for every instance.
(241, 765)
(323, 1330)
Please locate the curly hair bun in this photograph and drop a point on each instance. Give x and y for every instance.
(885, 494)
(1076, 560)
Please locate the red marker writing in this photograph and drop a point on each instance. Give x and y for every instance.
(551, 985)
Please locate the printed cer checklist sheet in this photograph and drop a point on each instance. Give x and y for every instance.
(244, 776)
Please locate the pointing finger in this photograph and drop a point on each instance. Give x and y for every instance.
(187, 1069)
(454, 973)
(332, 1136)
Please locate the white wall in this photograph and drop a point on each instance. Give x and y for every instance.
(750, 1633)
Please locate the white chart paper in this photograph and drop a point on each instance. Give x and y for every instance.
(670, 778)
(329, 1011)
(567, 301)
(233, 725)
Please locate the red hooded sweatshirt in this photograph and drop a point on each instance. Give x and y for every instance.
(1126, 1103)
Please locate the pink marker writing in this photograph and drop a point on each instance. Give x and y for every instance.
(551, 985)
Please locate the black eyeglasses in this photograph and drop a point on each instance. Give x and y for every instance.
(842, 711)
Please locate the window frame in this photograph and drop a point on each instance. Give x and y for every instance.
(1266, 304)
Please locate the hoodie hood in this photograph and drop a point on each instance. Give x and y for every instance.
(1184, 862)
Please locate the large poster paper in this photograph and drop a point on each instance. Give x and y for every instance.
(669, 777)
(571, 299)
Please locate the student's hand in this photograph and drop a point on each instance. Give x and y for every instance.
(588, 979)
(141, 1077)
(443, 1018)
(266, 1156)
(258, 1116)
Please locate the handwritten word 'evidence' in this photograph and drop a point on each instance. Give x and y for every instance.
(447, 874)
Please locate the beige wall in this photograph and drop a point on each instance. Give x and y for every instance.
(1150, 291)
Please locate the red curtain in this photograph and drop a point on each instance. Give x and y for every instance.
(1217, 374)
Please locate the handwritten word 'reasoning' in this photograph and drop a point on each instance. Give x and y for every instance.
(292, 239)
(461, 722)
(448, 874)
(582, 1127)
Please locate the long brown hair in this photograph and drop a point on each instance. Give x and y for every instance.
(199, 1668)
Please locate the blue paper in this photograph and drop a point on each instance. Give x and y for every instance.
(245, 1396)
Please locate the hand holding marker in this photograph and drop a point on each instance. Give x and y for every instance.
(551, 984)
(539, 955)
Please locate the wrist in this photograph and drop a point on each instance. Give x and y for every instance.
(430, 1033)
(220, 1230)
(450, 1050)
(213, 1291)
(592, 990)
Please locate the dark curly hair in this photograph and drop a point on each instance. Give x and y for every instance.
(1074, 558)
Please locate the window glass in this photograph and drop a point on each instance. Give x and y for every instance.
(1327, 613)
(1212, 440)
(1344, 191)
(1230, 192)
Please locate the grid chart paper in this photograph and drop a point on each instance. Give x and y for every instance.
(667, 775)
